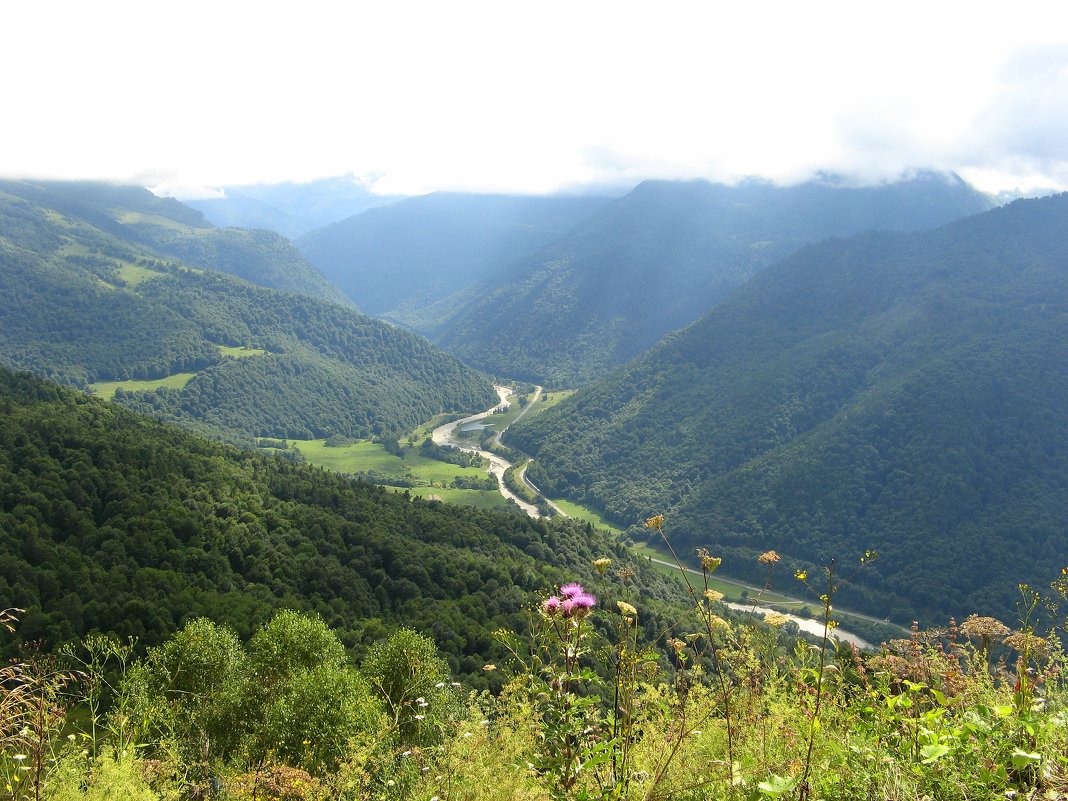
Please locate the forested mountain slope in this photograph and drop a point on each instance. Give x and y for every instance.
(170, 229)
(900, 392)
(82, 305)
(113, 522)
(398, 260)
(659, 258)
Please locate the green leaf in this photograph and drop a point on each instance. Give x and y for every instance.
(1023, 759)
(932, 753)
(777, 785)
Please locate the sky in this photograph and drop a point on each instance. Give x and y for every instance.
(413, 97)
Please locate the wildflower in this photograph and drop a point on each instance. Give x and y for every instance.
(676, 644)
(656, 522)
(708, 562)
(420, 717)
(440, 684)
(585, 601)
(769, 558)
(489, 667)
(551, 605)
(713, 596)
(801, 575)
(602, 565)
(625, 573)
(571, 590)
(719, 623)
(626, 608)
(775, 619)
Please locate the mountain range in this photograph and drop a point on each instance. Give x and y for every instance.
(107, 288)
(898, 392)
(290, 208)
(660, 257)
(415, 260)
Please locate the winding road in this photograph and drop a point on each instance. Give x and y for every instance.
(444, 435)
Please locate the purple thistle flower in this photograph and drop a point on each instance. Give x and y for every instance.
(585, 601)
(571, 590)
(551, 606)
(566, 606)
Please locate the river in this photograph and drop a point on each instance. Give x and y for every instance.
(444, 435)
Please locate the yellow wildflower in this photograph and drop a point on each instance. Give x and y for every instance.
(708, 562)
(656, 522)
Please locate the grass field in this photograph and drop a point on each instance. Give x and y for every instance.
(481, 499)
(365, 456)
(135, 274)
(548, 401)
(106, 389)
(137, 217)
(240, 352)
(572, 509)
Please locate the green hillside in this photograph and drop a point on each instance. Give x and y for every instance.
(172, 230)
(83, 305)
(113, 522)
(900, 392)
(398, 261)
(659, 258)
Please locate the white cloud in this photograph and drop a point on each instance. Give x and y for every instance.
(529, 96)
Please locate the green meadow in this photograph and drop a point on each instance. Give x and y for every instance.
(572, 509)
(106, 389)
(135, 274)
(481, 499)
(366, 456)
(240, 352)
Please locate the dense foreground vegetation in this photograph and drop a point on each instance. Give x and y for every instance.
(113, 522)
(590, 708)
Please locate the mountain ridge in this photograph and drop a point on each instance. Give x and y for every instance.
(660, 257)
(871, 392)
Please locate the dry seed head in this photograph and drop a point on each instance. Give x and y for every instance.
(1023, 641)
(769, 558)
(625, 573)
(985, 627)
